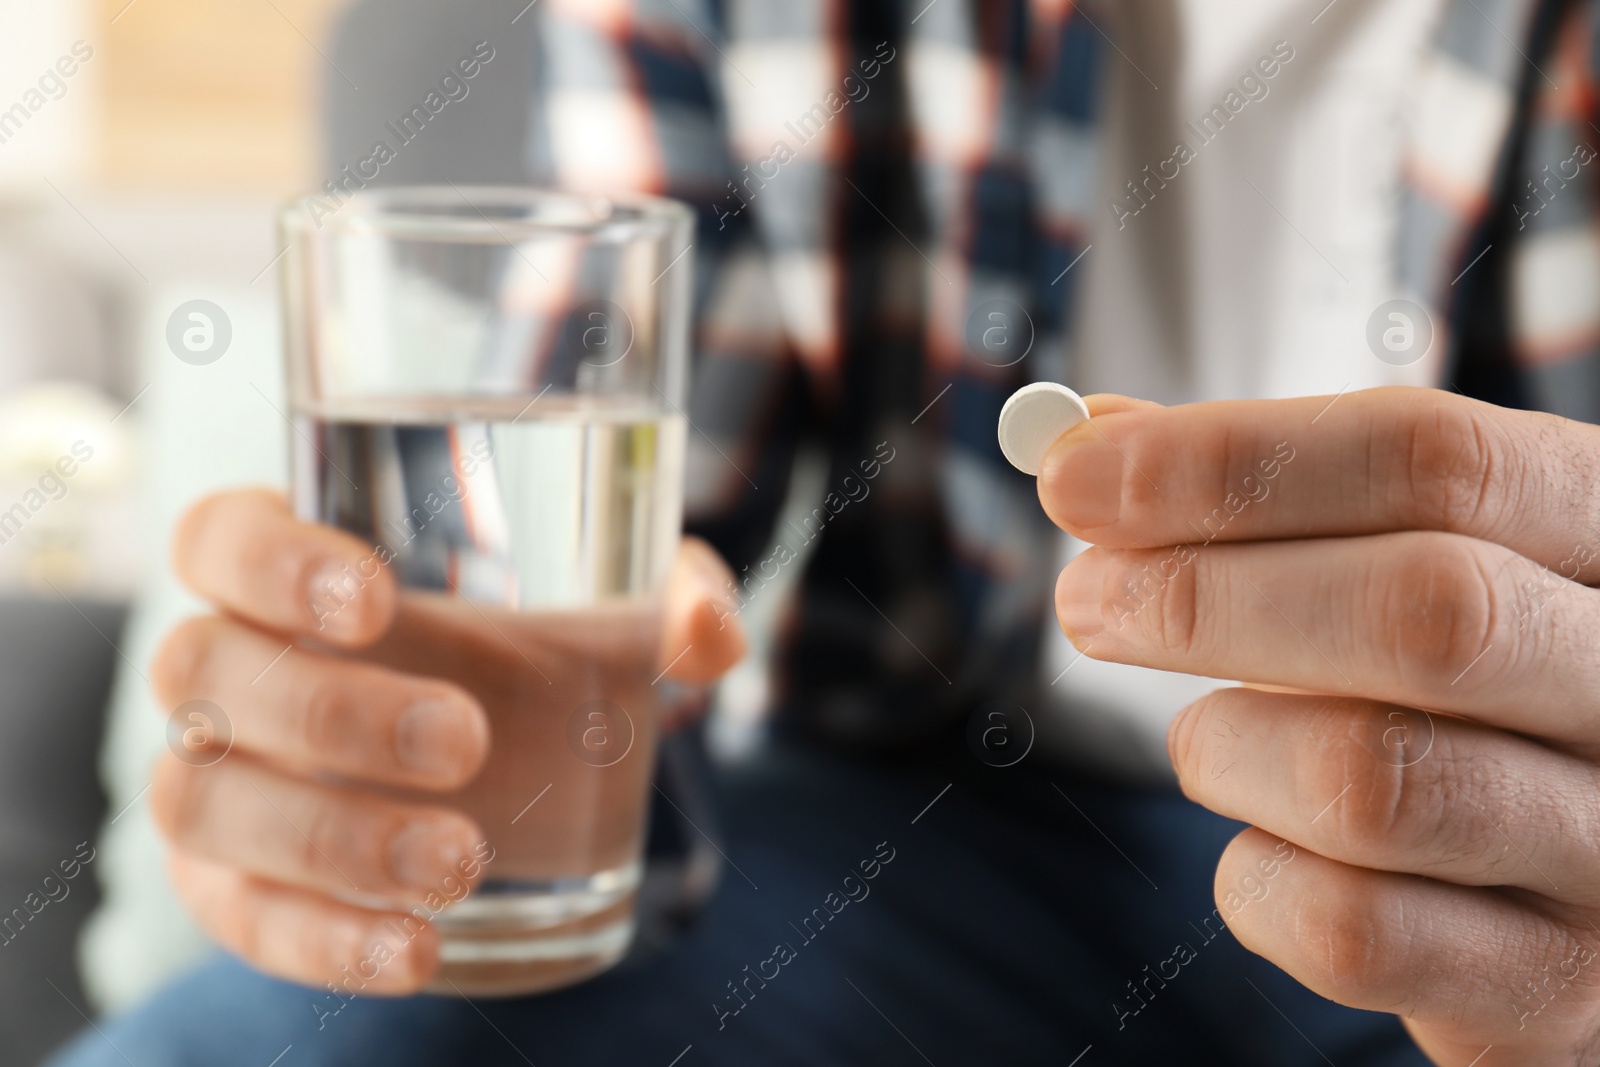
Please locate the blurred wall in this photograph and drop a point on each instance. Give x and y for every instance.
(54, 137)
(179, 94)
(138, 138)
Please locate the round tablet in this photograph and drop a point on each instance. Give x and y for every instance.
(1033, 418)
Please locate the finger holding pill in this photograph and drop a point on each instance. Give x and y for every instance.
(1033, 418)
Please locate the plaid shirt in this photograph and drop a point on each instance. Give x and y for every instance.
(1500, 234)
(892, 197)
(869, 177)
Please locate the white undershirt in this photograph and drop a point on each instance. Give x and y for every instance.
(1252, 274)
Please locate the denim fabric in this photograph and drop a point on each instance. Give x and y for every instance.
(1004, 924)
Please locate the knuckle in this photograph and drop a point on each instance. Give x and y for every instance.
(325, 835)
(1388, 797)
(1437, 601)
(1352, 796)
(1454, 474)
(1528, 632)
(1478, 794)
(1439, 805)
(182, 662)
(325, 718)
(1144, 467)
(1349, 942)
(1157, 600)
(1552, 956)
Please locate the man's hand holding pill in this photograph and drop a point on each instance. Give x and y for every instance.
(1401, 579)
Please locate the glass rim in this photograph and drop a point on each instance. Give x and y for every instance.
(436, 212)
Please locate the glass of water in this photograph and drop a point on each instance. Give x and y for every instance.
(487, 387)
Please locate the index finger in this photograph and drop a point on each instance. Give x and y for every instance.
(1378, 461)
(244, 551)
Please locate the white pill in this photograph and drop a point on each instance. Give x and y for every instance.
(1033, 418)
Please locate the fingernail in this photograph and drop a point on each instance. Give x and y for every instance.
(709, 573)
(1180, 734)
(435, 737)
(1080, 594)
(1080, 481)
(332, 592)
(425, 853)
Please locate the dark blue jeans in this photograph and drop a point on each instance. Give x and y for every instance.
(1025, 917)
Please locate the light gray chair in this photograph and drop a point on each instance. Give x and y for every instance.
(56, 665)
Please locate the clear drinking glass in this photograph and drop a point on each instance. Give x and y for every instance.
(487, 386)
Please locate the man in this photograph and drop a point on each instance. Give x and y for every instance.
(1412, 603)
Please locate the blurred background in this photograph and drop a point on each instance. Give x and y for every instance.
(142, 146)
(145, 180)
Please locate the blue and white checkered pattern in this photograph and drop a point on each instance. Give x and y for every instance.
(869, 176)
(1501, 217)
(876, 181)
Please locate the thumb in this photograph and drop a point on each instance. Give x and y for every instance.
(703, 636)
